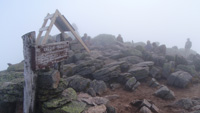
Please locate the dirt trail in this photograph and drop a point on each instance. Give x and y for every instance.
(122, 104)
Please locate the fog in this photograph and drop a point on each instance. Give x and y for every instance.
(169, 22)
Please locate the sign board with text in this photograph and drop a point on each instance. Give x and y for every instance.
(51, 53)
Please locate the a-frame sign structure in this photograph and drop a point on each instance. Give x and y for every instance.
(61, 23)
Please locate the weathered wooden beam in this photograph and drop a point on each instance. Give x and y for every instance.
(30, 76)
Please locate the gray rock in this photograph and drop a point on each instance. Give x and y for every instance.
(139, 72)
(145, 64)
(179, 79)
(108, 72)
(131, 52)
(110, 109)
(68, 69)
(145, 109)
(197, 107)
(132, 59)
(165, 93)
(180, 60)
(78, 83)
(96, 109)
(98, 86)
(184, 103)
(187, 68)
(168, 68)
(197, 111)
(153, 83)
(49, 80)
(91, 92)
(158, 60)
(156, 72)
(132, 84)
(114, 86)
(123, 77)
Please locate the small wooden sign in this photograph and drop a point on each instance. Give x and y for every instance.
(51, 53)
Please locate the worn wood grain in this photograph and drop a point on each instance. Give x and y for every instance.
(29, 75)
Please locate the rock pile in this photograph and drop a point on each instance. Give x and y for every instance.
(110, 64)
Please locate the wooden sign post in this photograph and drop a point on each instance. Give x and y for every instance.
(30, 76)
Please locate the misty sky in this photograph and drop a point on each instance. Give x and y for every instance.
(169, 22)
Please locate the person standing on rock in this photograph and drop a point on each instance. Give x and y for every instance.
(188, 44)
(148, 47)
(120, 39)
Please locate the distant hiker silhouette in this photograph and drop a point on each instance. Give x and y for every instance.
(119, 38)
(188, 44)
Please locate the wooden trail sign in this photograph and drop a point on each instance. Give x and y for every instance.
(52, 53)
(30, 76)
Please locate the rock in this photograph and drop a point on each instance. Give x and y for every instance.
(139, 72)
(11, 86)
(145, 109)
(197, 107)
(110, 109)
(19, 67)
(179, 79)
(196, 61)
(165, 93)
(70, 94)
(56, 102)
(156, 72)
(187, 68)
(97, 109)
(112, 97)
(7, 107)
(124, 77)
(68, 69)
(184, 103)
(131, 52)
(114, 86)
(107, 73)
(198, 111)
(72, 107)
(91, 92)
(132, 84)
(98, 86)
(124, 67)
(168, 68)
(158, 60)
(49, 80)
(153, 83)
(48, 94)
(145, 64)
(180, 60)
(95, 100)
(78, 83)
(132, 59)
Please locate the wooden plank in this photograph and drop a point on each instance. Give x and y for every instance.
(44, 28)
(73, 32)
(40, 32)
(50, 27)
(49, 16)
(51, 53)
(30, 76)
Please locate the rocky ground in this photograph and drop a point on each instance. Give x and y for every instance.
(114, 78)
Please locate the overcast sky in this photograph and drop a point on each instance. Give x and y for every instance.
(169, 22)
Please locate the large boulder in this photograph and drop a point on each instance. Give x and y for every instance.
(78, 83)
(98, 86)
(11, 86)
(165, 93)
(158, 60)
(156, 72)
(187, 68)
(49, 79)
(139, 72)
(180, 60)
(168, 68)
(179, 79)
(124, 77)
(108, 72)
